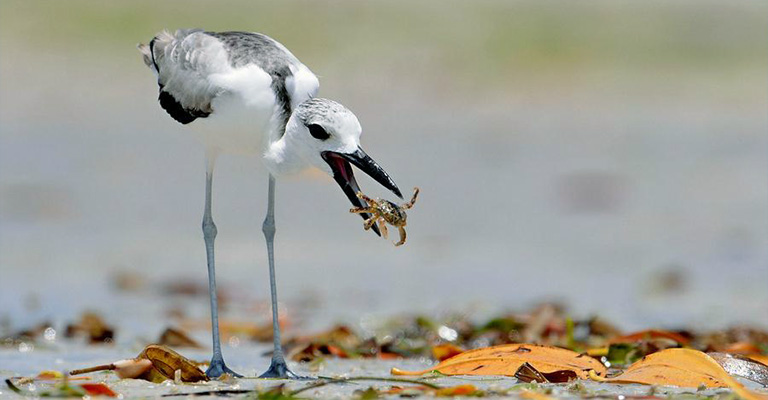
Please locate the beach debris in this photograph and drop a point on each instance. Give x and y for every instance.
(385, 212)
(528, 373)
(156, 363)
(742, 366)
(507, 360)
(177, 338)
(683, 368)
(124, 369)
(93, 327)
(61, 388)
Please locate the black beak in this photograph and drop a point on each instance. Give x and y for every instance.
(343, 175)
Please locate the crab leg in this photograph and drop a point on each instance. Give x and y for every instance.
(383, 228)
(410, 204)
(369, 222)
(367, 199)
(402, 236)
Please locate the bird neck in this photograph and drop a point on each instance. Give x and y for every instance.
(280, 160)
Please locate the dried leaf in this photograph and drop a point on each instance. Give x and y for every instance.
(742, 348)
(742, 366)
(507, 359)
(313, 351)
(651, 334)
(763, 359)
(681, 367)
(445, 351)
(92, 325)
(177, 338)
(50, 375)
(98, 389)
(527, 373)
(165, 362)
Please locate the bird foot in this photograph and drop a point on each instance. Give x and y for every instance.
(217, 368)
(278, 369)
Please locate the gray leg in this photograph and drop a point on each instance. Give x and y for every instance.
(278, 368)
(217, 366)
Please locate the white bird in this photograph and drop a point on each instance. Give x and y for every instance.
(234, 88)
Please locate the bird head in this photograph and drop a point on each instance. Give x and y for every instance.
(326, 135)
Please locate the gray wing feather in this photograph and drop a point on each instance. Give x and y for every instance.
(184, 61)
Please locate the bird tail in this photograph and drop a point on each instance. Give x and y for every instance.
(155, 49)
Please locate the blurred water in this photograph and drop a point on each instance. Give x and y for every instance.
(558, 159)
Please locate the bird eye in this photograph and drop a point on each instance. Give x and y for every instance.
(318, 132)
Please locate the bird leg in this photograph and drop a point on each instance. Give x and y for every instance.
(217, 366)
(402, 236)
(410, 204)
(278, 367)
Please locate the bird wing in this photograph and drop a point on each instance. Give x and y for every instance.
(193, 67)
(183, 63)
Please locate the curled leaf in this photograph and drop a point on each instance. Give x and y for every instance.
(165, 363)
(681, 367)
(507, 359)
(527, 373)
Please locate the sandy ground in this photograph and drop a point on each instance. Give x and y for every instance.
(244, 359)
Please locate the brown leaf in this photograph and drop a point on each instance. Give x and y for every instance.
(165, 362)
(681, 367)
(527, 373)
(742, 348)
(93, 326)
(177, 338)
(507, 359)
(651, 334)
(313, 351)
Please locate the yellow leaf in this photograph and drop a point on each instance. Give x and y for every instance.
(759, 358)
(507, 359)
(531, 395)
(445, 351)
(681, 367)
(50, 375)
(460, 390)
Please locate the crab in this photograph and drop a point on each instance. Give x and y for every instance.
(385, 212)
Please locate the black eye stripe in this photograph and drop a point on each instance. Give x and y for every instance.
(318, 132)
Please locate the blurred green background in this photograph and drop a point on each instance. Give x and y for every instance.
(607, 154)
